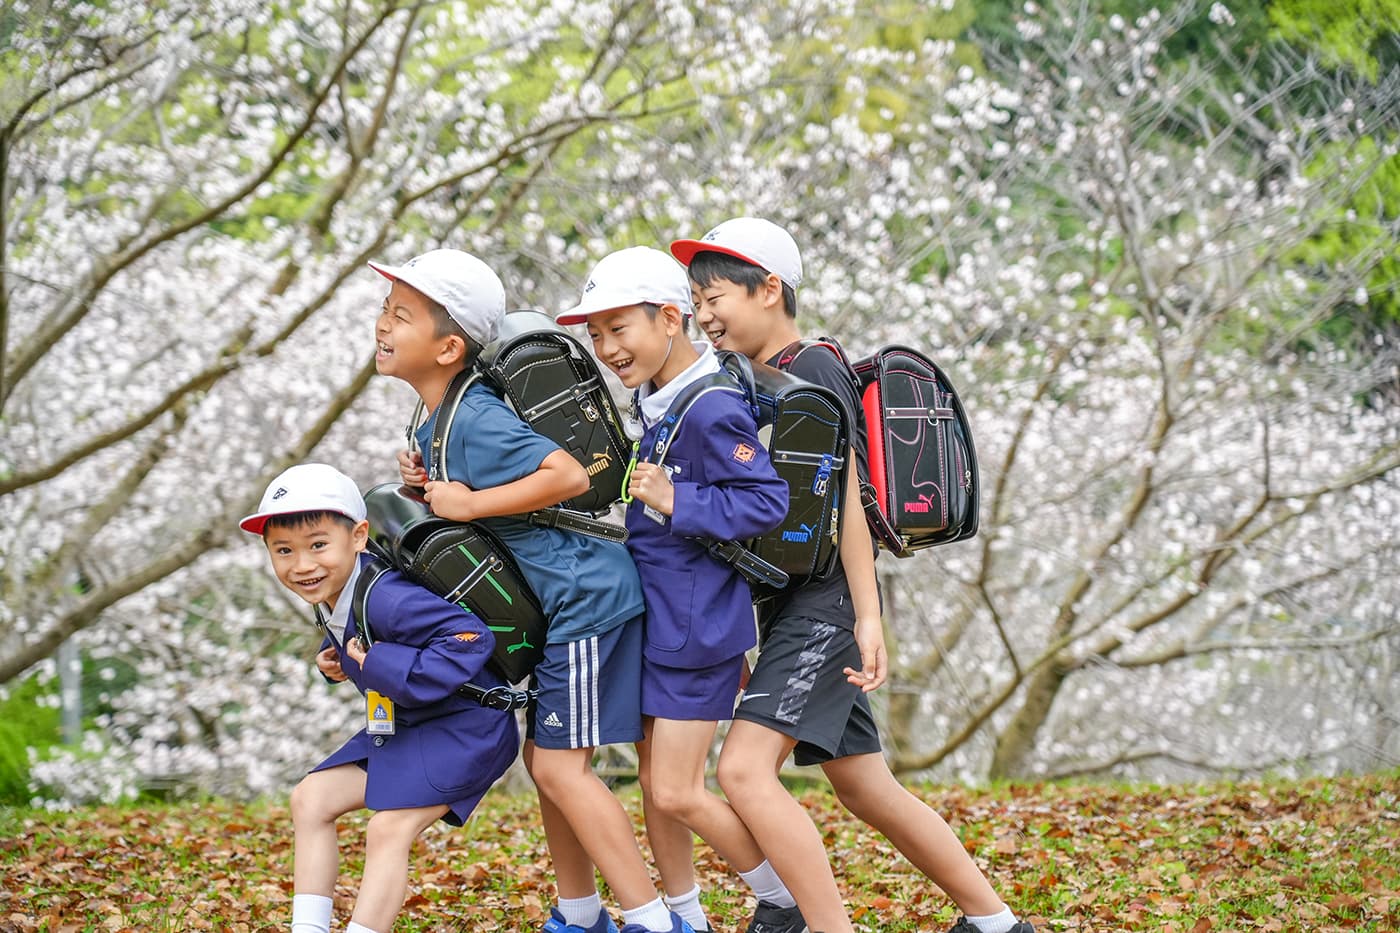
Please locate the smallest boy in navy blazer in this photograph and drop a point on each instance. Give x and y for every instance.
(426, 753)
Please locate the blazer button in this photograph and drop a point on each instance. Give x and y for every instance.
(379, 741)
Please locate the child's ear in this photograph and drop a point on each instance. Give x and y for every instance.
(452, 351)
(359, 535)
(772, 291)
(674, 319)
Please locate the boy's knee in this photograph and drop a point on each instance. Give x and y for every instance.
(305, 803)
(678, 803)
(738, 775)
(391, 828)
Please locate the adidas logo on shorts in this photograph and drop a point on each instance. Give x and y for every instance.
(553, 721)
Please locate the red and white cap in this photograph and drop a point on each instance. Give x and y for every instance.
(472, 294)
(307, 487)
(632, 276)
(756, 241)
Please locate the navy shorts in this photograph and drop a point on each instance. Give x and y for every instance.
(706, 694)
(589, 691)
(798, 688)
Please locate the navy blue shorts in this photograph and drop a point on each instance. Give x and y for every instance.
(706, 694)
(589, 691)
(798, 688)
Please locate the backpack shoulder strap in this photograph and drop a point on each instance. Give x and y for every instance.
(732, 377)
(793, 350)
(435, 461)
(370, 573)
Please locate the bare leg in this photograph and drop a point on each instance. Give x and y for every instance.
(677, 792)
(598, 821)
(866, 787)
(573, 869)
(318, 800)
(748, 771)
(388, 841)
(672, 843)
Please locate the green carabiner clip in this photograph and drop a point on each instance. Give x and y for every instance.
(627, 476)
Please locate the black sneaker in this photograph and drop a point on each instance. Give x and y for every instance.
(770, 918)
(967, 926)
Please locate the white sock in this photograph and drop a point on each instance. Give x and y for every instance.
(767, 886)
(995, 923)
(655, 916)
(357, 928)
(581, 911)
(311, 913)
(688, 906)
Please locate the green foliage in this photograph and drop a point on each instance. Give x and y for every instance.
(1362, 225)
(1343, 33)
(28, 719)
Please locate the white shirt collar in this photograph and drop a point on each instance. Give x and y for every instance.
(653, 403)
(340, 615)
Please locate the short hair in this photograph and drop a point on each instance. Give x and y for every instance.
(707, 266)
(294, 520)
(445, 325)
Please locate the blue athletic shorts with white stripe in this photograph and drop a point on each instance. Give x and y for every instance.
(590, 691)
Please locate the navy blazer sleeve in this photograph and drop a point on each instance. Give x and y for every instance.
(742, 495)
(428, 649)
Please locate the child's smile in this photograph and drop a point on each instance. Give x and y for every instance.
(630, 342)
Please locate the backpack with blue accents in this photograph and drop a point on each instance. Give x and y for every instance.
(802, 426)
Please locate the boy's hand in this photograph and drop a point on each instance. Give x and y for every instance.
(451, 500)
(652, 485)
(355, 648)
(328, 663)
(870, 637)
(411, 468)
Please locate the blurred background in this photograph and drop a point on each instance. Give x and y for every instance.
(1154, 245)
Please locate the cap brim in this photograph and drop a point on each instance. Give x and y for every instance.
(685, 250)
(393, 273)
(256, 524)
(575, 315)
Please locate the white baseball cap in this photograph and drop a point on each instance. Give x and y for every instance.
(461, 283)
(632, 276)
(756, 241)
(307, 487)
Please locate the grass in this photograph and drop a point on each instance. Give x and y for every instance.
(1268, 856)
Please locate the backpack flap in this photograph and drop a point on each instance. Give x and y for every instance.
(807, 442)
(465, 564)
(554, 385)
(923, 466)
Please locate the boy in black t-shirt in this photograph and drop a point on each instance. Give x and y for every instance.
(822, 648)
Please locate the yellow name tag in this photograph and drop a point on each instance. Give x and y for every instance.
(379, 714)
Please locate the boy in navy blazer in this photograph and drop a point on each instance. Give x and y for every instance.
(426, 753)
(714, 482)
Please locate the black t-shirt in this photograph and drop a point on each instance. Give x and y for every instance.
(828, 600)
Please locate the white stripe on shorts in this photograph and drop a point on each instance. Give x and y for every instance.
(584, 727)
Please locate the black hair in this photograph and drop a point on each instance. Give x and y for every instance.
(445, 325)
(707, 266)
(294, 520)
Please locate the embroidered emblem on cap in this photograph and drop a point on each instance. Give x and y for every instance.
(281, 491)
(743, 453)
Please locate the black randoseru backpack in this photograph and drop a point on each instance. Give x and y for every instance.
(463, 562)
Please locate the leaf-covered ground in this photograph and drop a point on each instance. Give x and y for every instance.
(1274, 856)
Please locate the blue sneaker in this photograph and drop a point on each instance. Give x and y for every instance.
(677, 926)
(557, 924)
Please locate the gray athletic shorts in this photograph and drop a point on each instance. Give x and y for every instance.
(798, 688)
